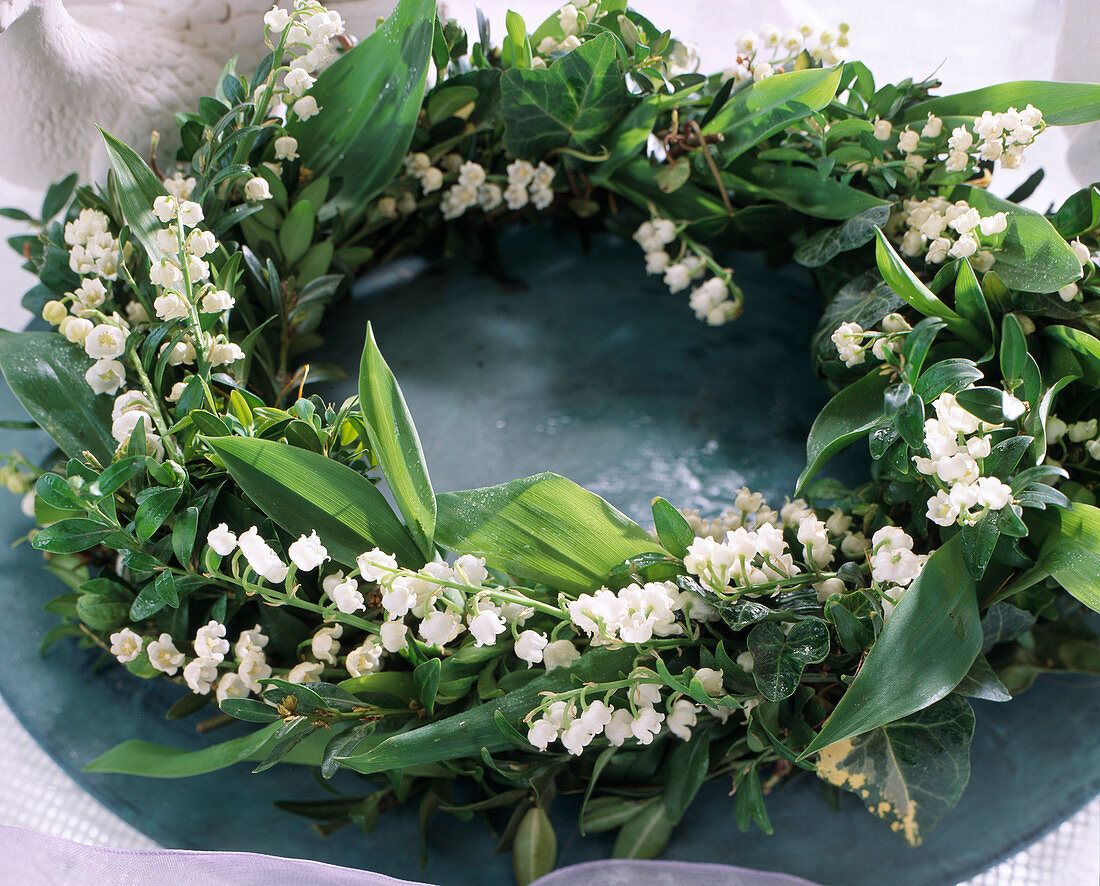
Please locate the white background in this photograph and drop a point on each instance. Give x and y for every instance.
(965, 43)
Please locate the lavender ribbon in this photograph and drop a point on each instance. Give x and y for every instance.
(34, 859)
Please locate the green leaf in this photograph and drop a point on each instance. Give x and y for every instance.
(183, 536)
(827, 244)
(519, 49)
(1033, 257)
(73, 535)
(46, 374)
(844, 419)
(1085, 346)
(909, 773)
(970, 300)
(1062, 104)
(780, 658)
(370, 100)
(303, 491)
(138, 187)
(296, 233)
(672, 528)
(800, 187)
(1080, 213)
(394, 441)
(251, 710)
(686, 769)
(544, 528)
(646, 834)
(101, 613)
(926, 647)
(1071, 552)
(57, 197)
(154, 510)
(906, 284)
(607, 813)
(535, 848)
(764, 108)
(981, 681)
(426, 678)
(157, 761)
(573, 103)
(467, 733)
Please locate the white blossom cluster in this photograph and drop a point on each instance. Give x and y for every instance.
(1002, 137)
(93, 249)
(1071, 291)
(637, 719)
(853, 341)
(573, 19)
(1083, 432)
(311, 32)
(957, 441)
(941, 230)
(893, 561)
(710, 300)
(635, 614)
(771, 50)
(307, 553)
(526, 184)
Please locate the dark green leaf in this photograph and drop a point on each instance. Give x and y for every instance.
(951, 375)
(251, 710)
(686, 769)
(296, 233)
(138, 187)
(646, 834)
(1003, 623)
(154, 510)
(672, 528)
(780, 658)
(800, 187)
(978, 541)
(827, 244)
(101, 613)
(982, 682)
(46, 374)
(58, 196)
(183, 536)
(926, 647)
(573, 103)
(909, 773)
(73, 535)
(303, 491)
(426, 677)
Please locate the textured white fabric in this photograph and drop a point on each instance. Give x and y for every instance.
(966, 44)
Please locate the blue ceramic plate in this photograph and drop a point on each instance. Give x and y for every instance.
(591, 369)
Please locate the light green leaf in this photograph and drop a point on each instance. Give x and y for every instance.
(801, 188)
(395, 443)
(535, 848)
(370, 100)
(46, 374)
(926, 647)
(645, 834)
(844, 419)
(296, 233)
(905, 283)
(1033, 257)
(304, 491)
(1085, 346)
(138, 187)
(762, 109)
(157, 761)
(909, 773)
(1071, 552)
(1062, 104)
(573, 103)
(466, 734)
(543, 528)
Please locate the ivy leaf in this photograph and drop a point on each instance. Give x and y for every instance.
(827, 244)
(779, 659)
(909, 773)
(573, 103)
(46, 374)
(544, 528)
(926, 647)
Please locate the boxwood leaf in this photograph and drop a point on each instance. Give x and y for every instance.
(646, 833)
(909, 773)
(544, 528)
(926, 647)
(535, 848)
(46, 374)
(395, 443)
(303, 491)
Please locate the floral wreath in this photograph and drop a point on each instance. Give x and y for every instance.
(221, 528)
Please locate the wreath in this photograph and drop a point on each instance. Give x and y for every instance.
(487, 650)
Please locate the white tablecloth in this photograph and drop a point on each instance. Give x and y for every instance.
(967, 45)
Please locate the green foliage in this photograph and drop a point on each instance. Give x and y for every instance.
(1062, 104)
(1071, 551)
(780, 657)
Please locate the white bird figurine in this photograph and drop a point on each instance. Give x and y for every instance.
(128, 67)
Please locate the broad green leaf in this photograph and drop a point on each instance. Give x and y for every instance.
(157, 761)
(1062, 104)
(304, 491)
(535, 848)
(981, 681)
(138, 187)
(296, 233)
(672, 528)
(1080, 213)
(1085, 346)
(926, 647)
(101, 613)
(370, 100)
(646, 833)
(686, 770)
(800, 187)
(905, 283)
(46, 374)
(607, 813)
(780, 658)
(544, 528)
(573, 103)
(1071, 552)
(466, 734)
(844, 419)
(909, 773)
(1033, 257)
(762, 109)
(153, 510)
(395, 443)
(75, 534)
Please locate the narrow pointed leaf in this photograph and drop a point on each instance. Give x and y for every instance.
(138, 187)
(157, 761)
